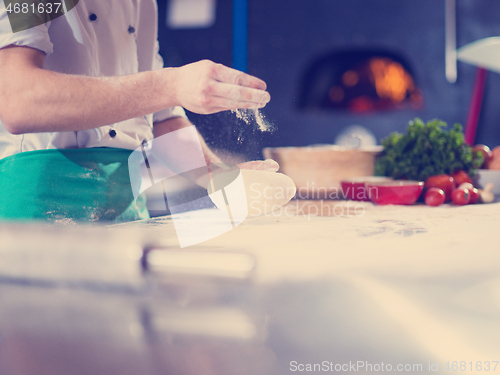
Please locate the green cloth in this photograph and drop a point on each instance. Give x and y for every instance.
(74, 185)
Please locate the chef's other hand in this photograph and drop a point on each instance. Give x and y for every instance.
(203, 176)
(205, 87)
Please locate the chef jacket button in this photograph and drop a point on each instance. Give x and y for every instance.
(131, 29)
(112, 133)
(93, 17)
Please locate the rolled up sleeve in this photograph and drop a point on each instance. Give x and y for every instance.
(36, 37)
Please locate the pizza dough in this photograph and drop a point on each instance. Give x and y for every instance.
(254, 193)
(267, 191)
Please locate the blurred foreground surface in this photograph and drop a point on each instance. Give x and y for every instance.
(367, 290)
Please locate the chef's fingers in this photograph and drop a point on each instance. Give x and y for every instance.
(241, 94)
(214, 104)
(228, 75)
(268, 165)
(220, 105)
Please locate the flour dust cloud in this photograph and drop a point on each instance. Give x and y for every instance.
(251, 116)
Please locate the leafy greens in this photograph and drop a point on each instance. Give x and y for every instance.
(426, 150)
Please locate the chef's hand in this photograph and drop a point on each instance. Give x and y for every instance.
(205, 87)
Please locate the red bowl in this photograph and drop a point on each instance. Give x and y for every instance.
(355, 188)
(395, 192)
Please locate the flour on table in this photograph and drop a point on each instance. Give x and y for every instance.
(251, 116)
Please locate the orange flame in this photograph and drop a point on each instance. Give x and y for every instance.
(390, 79)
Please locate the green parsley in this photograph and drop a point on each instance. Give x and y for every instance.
(426, 150)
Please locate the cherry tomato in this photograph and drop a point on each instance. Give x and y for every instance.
(473, 192)
(460, 177)
(434, 197)
(496, 152)
(443, 182)
(474, 195)
(485, 151)
(494, 164)
(460, 196)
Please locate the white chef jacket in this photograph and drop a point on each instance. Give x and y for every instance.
(95, 38)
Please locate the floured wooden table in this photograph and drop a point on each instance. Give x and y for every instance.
(367, 289)
(295, 242)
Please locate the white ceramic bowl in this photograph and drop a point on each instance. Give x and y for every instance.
(485, 176)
